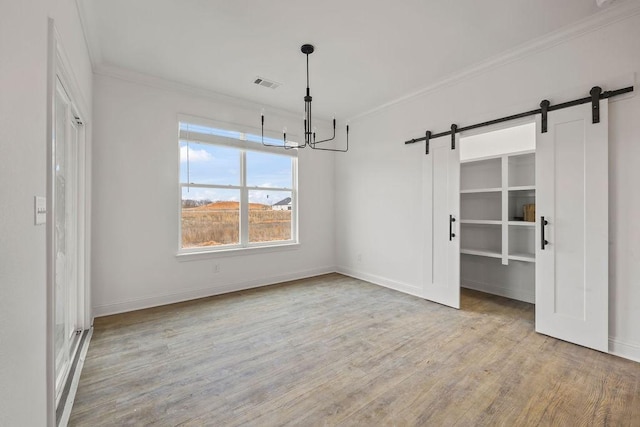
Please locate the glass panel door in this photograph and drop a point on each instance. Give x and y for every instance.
(65, 223)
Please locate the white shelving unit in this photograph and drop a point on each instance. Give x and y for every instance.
(481, 221)
(478, 252)
(482, 238)
(522, 223)
(482, 190)
(497, 179)
(493, 193)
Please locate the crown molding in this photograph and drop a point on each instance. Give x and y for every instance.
(170, 85)
(608, 16)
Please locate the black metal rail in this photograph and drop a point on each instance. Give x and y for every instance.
(595, 95)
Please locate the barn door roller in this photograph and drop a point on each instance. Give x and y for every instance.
(595, 104)
(596, 94)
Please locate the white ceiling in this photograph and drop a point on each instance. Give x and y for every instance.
(368, 52)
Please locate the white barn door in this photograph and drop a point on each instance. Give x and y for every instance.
(572, 215)
(441, 178)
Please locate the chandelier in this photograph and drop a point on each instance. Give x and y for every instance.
(309, 130)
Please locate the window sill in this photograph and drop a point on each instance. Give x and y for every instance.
(220, 253)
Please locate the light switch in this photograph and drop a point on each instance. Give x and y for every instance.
(40, 209)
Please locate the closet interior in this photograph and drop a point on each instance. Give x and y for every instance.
(497, 212)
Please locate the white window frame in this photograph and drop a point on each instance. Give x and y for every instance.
(246, 141)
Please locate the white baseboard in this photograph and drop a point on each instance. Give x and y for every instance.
(155, 301)
(517, 294)
(381, 281)
(624, 349)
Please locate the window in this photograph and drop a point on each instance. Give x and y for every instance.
(234, 192)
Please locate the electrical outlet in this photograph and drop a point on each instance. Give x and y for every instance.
(216, 268)
(359, 257)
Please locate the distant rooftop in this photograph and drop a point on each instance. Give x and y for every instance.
(284, 202)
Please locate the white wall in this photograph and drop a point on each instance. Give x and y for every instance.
(23, 145)
(135, 209)
(378, 191)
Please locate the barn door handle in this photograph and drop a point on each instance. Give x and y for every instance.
(451, 221)
(543, 241)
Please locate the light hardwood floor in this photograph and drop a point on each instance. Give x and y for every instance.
(333, 350)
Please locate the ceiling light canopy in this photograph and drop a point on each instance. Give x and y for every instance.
(309, 130)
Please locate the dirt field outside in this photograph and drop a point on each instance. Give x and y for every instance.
(217, 224)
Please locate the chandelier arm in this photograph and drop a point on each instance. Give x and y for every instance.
(289, 147)
(262, 133)
(339, 150)
(284, 142)
(328, 139)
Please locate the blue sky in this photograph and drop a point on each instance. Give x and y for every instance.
(211, 164)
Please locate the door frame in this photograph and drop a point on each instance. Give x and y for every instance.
(59, 67)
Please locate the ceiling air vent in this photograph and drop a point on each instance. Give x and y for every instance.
(266, 82)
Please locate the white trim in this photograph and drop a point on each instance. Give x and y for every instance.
(244, 203)
(625, 350)
(195, 136)
(155, 301)
(381, 281)
(84, 221)
(68, 78)
(606, 17)
(68, 405)
(196, 254)
(517, 294)
(50, 280)
(201, 138)
(236, 187)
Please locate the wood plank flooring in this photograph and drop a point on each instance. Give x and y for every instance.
(332, 350)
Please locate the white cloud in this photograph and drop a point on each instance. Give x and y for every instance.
(194, 155)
